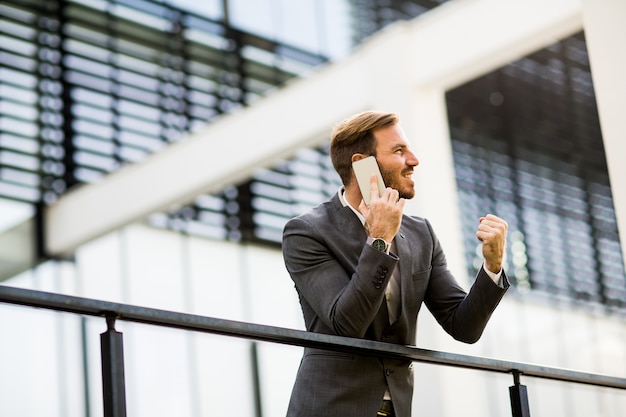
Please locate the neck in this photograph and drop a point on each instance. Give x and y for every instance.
(353, 195)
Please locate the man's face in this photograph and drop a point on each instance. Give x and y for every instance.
(395, 159)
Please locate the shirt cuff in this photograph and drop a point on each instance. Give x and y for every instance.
(494, 277)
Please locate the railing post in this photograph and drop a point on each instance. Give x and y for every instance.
(519, 397)
(113, 386)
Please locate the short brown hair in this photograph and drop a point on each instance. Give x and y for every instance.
(356, 135)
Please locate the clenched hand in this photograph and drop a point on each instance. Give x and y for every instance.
(492, 233)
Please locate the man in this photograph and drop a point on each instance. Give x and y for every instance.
(364, 271)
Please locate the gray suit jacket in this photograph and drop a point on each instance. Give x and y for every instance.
(341, 282)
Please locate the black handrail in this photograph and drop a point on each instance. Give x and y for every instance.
(117, 311)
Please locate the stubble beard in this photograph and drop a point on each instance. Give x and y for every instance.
(394, 180)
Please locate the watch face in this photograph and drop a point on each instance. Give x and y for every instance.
(380, 245)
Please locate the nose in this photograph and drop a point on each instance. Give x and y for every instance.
(411, 159)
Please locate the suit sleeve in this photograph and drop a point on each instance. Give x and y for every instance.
(344, 297)
(462, 315)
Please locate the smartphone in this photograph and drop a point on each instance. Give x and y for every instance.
(364, 168)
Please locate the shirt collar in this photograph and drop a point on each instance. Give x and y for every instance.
(344, 202)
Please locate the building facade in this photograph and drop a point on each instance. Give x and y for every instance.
(93, 92)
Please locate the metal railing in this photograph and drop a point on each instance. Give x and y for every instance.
(112, 353)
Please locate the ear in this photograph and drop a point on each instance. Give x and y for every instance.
(358, 156)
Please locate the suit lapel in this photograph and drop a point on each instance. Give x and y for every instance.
(349, 224)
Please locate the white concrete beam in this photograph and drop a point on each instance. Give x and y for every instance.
(452, 44)
(225, 152)
(463, 40)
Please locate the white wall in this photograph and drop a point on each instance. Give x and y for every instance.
(181, 372)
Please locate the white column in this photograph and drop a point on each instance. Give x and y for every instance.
(604, 23)
(435, 184)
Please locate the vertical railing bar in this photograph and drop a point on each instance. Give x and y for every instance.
(256, 380)
(85, 363)
(519, 397)
(113, 385)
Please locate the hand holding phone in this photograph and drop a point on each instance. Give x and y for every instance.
(363, 169)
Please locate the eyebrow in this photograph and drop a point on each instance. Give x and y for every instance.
(399, 145)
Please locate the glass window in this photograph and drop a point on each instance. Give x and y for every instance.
(529, 148)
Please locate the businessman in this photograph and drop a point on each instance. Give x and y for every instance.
(364, 271)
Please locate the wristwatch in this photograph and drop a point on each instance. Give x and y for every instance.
(380, 244)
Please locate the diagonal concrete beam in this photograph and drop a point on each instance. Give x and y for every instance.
(454, 43)
(463, 40)
(223, 153)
